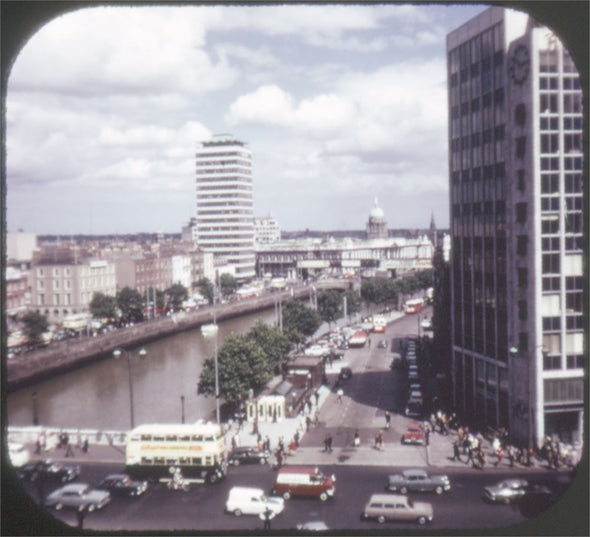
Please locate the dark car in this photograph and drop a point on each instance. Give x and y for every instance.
(54, 471)
(345, 373)
(382, 344)
(122, 485)
(248, 455)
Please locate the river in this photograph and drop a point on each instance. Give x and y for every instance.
(97, 396)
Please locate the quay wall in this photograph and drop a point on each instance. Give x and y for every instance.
(61, 356)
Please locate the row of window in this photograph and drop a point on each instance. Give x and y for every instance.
(551, 82)
(573, 322)
(573, 183)
(175, 461)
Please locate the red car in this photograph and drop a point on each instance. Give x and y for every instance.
(414, 434)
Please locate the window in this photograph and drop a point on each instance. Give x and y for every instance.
(520, 146)
(560, 390)
(551, 264)
(521, 244)
(521, 210)
(551, 362)
(522, 310)
(523, 276)
(520, 180)
(549, 183)
(575, 361)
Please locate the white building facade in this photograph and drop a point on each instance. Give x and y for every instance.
(515, 162)
(224, 196)
(266, 230)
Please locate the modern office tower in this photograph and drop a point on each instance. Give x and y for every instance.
(225, 221)
(515, 165)
(266, 230)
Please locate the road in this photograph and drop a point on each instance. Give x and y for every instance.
(202, 507)
(373, 389)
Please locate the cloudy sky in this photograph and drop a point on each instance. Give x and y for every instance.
(339, 104)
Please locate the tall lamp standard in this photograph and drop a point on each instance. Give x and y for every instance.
(142, 353)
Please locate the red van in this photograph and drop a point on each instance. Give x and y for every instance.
(304, 481)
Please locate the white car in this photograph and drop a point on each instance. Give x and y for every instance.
(252, 501)
(18, 453)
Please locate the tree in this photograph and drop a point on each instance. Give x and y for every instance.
(103, 306)
(330, 305)
(299, 321)
(353, 302)
(176, 294)
(242, 366)
(205, 287)
(35, 324)
(275, 345)
(227, 285)
(130, 303)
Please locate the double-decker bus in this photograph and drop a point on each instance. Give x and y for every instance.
(154, 451)
(414, 305)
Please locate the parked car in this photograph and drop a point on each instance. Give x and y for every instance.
(382, 344)
(345, 373)
(383, 507)
(396, 361)
(122, 485)
(427, 323)
(513, 490)
(248, 455)
(18, 453)
(76, 495)
(418, 481)
(54, 471)
(414, 435)
(413, 409)
(313, 525)
(252, 501)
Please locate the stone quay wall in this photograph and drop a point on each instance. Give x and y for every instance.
(61, 356)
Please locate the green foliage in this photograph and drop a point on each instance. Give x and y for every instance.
(206, 288)
(242, 365)
(299, 321)
(103, 306)
(176, 295)
(130, 303)
(227, 285)
(330, 305)
(35, 324)
(354, 301)
(275, 345)
(382, 290)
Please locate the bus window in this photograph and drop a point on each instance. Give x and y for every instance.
(184, 460)
(197, 437)
(158, 438)
(171, 438)
(197, 460)
(145, 460)
(172, 462)
(159, 460)
(184, 438)
(144, 437)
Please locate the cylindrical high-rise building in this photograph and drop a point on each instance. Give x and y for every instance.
(225, 220)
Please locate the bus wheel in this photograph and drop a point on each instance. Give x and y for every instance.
(213, 478)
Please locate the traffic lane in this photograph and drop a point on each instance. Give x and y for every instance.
(202, 508)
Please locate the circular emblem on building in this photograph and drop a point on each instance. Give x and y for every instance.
(520, 64)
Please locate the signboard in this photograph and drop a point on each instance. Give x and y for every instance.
(351, 263)
(313, 264)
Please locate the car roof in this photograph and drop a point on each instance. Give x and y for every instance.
(387, 497)
(74, 486)
(246, 490)
(116, 476)
(299, 470)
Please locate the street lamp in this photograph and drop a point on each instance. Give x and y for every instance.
(142, 353)
(182, 408)
(35, 414)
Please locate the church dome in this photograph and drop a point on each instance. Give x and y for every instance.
(376, 212)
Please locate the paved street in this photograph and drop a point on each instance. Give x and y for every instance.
(373, 389)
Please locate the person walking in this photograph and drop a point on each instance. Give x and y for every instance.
(69, 450)
(340, 393)
(499, 456)
(357, 439)
(387, 419)
(456, 451)
(426, 437)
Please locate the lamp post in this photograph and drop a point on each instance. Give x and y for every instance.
(35, 414)
(142, 353)
(182, 409)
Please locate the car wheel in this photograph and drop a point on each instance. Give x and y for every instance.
(404, 490)
(507, 501)
(364, 516)
(286, 495)
(58, 506)
(91, 508)
(263, 460)
(438, 490)
(237, 512)
(213, 478)
(64, 478)
(421, 520)
(236, 462)
(381, 519)
(323, 496)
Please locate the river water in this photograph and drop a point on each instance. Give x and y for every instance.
(97, 396)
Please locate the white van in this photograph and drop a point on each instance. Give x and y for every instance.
(252, 501)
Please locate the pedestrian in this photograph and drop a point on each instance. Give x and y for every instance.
(357, 439)
(500, 456)
(427, 437)
(369, 340)
(37, 446)
(307, 423)
(279, 455)
(267, 516)
(69, 450)
(340, 393)
(317, 397)
(387, 419)
(456, 451)
(510, 451)
(316, 418)
(296, 439)
(329, 443)
(266, 445)
(85, 444)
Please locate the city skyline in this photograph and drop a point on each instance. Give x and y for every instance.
(339, 104)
